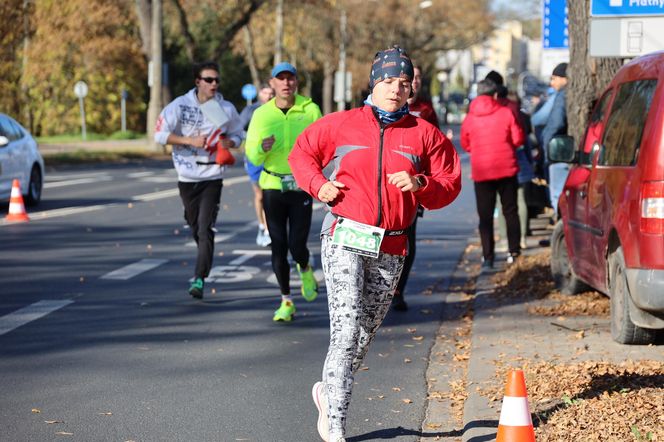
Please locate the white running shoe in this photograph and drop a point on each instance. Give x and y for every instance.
(320, 399)
(259, 236)
(266, 240)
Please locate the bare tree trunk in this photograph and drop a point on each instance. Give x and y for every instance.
(306, 75)
(279, 32)
(155, 105)
(189, 44)
(328, 85)
(249, 55)
(143, 12)
(24, 97)
(588, 76)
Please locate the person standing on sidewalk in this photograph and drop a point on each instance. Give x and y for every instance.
(270, 138)
(421, 107)
(491, 134)
(265, 94)
(556, 125)
(196, 140)
(386, 163)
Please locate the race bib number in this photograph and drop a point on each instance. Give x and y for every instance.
(358, 238)
(288, 183)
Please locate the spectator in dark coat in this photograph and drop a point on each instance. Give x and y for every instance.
(556, 125)
(491, 134)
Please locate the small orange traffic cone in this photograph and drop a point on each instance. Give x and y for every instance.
(16, 207)
(515, 424)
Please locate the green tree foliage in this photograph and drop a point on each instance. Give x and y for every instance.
(101, 43)
(11, 42)
(91, 40)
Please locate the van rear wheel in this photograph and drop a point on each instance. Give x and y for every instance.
(623, 330)
(561, 268)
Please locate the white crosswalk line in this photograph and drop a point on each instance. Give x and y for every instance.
(131, 270)
(54, 184)
(30, 313)
(65, 211)
(246, 255)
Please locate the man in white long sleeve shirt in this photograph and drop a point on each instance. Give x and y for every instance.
(196, 141)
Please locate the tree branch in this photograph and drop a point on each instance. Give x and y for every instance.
(225, 40)
(189, 43)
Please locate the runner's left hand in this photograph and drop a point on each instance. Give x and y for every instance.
(403, 181)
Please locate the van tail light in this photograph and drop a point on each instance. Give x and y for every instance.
(652, 207)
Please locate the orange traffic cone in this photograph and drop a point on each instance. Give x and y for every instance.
(515, 424)
(16, 207)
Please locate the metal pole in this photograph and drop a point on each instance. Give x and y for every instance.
(82, 107)
(123, 113)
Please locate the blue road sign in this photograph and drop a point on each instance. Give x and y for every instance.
(612, 8)
(249, 91)
(555, 34)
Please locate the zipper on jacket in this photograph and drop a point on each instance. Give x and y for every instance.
(380, 175)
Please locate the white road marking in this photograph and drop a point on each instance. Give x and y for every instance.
(246, 255)
(156, 195)
(71, 176)
(53, 185)
(140, 198)
(139, 174)
(157, 179)
(131, 270)
(30, 313)
(231, 274)
(65, 211)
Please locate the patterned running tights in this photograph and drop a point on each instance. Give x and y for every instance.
(359, 292)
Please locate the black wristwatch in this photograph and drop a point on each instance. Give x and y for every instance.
(421, 181)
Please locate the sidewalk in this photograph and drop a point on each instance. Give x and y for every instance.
(482, 335)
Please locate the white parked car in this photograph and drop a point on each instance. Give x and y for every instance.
(19, 159)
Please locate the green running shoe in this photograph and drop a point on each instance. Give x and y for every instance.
(196, 288)
(309, 283)
(285, 312)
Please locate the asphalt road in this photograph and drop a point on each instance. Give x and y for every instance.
(99, 340)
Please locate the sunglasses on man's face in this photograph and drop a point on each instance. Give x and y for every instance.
(210, 80)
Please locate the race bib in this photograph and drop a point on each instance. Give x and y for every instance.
(358, 238)
(288, 183)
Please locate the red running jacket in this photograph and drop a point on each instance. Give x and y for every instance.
(491, 134)
(363, 152)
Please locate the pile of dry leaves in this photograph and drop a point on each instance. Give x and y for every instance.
(589, 400)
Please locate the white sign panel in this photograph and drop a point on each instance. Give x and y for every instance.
(626, 36)
(81, 89)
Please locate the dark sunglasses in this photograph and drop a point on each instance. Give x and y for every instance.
(210, 79)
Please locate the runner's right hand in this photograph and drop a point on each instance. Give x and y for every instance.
(197, 141)
(329, 191)
(267, 143)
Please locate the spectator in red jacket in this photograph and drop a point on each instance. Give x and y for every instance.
(386, 162)
(491, 134)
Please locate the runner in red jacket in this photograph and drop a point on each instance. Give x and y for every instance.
(386, 162)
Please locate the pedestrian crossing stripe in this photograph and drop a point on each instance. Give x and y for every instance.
(30, 313)
(131, 270)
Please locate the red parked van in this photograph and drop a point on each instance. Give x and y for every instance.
(610, 234)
